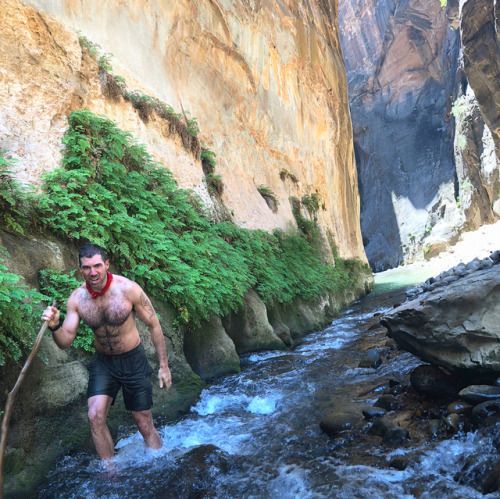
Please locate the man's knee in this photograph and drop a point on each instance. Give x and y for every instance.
(97, 412)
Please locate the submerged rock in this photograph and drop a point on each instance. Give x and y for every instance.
(334, 424)
(371, 359)
(396, 436)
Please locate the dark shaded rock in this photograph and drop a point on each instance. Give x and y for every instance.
(400, 462)
(486, 412)
(432, 380)
(371, 359)
(481, 472)
(398, 389)
(373, 413)
(476, 394)
(281, 330)
(381, 426)
(481, 45)
(396, 436)
(196, 471)
(387, 402)
(495, 256)
(336, 423)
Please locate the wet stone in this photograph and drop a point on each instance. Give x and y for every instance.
(397, 390)
(432, 380)
(387, 402)
(396, 436)
(475, 394)
(371, 359)
(400, 462)
(381, 426)
(334, 424)
(480, 472)
(434, 427)
(486, 412)
(452, 422)
(459, 407)
(373, 413)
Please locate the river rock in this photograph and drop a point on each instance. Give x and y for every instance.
(432, 380)
(486, 412)
(387, 402)
(459, 407)
(196, 470)
(371, 359)
(281, 330)
(476, 394)
(381, 426)
(456, 326)
(452, 422)
(396, 436)
(373, 413)
(481, 473)
(334, 424)
(434, 427)
(249, 327)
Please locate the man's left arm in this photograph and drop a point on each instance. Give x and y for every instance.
(147, 314)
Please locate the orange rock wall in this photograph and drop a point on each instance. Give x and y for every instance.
(265, 80)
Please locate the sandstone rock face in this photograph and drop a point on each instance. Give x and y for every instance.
(210, 351)
(480, 24)
(249, 327)
(456, 326)
(265, 81)
(401, 60)
(425, 147)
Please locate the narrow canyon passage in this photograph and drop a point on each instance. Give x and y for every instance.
(257, 434)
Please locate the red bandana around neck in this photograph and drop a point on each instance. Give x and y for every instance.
(95, 294)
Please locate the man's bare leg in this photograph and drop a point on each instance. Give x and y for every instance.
(98, 412)
(144, 421)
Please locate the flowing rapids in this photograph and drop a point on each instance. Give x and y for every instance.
(265, 424)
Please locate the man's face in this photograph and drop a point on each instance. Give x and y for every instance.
(94, 271)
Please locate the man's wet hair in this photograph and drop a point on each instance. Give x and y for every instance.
(89, 250)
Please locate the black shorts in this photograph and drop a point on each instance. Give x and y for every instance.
(130, 371)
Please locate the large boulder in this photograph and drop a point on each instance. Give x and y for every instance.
(456, 326)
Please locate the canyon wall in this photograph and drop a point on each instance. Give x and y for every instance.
(265, 81)
(426, 166)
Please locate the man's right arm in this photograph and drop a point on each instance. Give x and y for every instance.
(66, 332)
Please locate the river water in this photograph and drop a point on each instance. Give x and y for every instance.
(257, 435)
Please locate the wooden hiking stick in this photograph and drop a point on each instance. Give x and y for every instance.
(12, 394)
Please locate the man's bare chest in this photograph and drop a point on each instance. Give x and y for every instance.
(112, 311)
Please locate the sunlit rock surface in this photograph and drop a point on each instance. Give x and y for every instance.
(265, 81)
(456, 325)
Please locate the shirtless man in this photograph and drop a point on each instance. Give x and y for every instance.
(108, 304)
